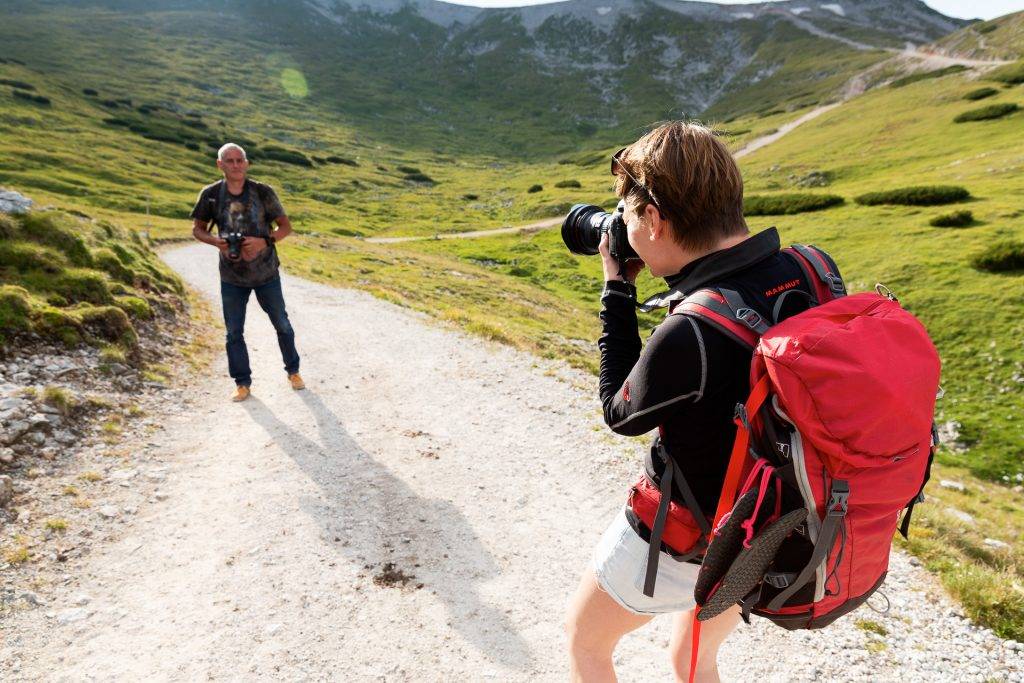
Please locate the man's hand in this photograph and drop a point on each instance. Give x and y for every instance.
(221, 244)
(252, 247)
(611, 266)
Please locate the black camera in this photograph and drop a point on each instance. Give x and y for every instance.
(234, 240)
(583, 227)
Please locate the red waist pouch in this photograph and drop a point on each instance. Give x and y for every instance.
(681, 531)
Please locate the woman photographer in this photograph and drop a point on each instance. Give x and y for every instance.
(683, 197)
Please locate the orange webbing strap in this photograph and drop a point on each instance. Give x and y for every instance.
(739, 450)
(732, 482)
(694, 644)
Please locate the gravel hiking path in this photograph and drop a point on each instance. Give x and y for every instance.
(421, 513)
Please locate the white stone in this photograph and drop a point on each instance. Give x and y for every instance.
(70, 616)
(108, 511)
(14, 202)
(952, 485)
(997, 544)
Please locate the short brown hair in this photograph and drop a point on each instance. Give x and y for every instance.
(694, 179)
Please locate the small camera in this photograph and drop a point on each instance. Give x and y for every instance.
(234, 240)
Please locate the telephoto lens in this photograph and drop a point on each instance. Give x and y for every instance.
(583, 227)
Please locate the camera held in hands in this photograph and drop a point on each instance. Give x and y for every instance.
(586, 223)
(234, 240)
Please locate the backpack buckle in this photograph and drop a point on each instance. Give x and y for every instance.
(837, 502)
(779, 580)
(740, 416)
(835, 283)
(751, 317)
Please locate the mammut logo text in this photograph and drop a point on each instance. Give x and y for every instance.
(782, 288)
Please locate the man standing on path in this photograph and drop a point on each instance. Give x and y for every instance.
(238, 205)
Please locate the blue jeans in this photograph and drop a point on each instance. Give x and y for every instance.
(234, 300)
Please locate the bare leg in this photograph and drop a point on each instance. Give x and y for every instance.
(712, 634)
(594, 625)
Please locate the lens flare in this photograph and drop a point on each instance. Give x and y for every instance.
(294, 83)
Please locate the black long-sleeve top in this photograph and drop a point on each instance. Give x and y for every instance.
(690, 376)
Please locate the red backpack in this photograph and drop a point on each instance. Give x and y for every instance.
(834, 441)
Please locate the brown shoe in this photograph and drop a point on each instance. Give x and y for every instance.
(241, 393)
(296, 381)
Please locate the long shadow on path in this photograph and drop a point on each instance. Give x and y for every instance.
(379, 519)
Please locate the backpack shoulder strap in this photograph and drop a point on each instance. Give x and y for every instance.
(725, 310)
(819, 270)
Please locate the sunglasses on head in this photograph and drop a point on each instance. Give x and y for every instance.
(619, 167)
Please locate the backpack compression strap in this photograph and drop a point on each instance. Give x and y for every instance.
(819, 270)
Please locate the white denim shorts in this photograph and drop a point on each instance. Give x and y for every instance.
(620, 564)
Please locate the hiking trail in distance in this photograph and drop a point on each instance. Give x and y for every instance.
(422, 512)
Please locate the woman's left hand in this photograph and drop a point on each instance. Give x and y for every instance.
(611, 266)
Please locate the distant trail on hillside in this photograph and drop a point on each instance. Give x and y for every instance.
(539, 225)
(859, 84)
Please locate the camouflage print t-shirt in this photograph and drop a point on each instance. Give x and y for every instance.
(250, 213)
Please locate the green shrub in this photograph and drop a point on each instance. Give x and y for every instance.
(987, 27)
(36, 99)
(107, 261)
(17, 84)
(285, 156)
(470, 197)
(1011, 74)
(992, 111)
(568, 183)
(980, 94)
(89, 92)
(924, 195)
(408, 169)
(780, 204)
(914, 78)
(43, 228)
(24, 256)
(957, 219)
(419, 178)
(535, 188)
(335, 159)
(1001, 257)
